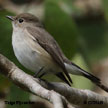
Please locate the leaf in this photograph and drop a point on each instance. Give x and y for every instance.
(61, 26)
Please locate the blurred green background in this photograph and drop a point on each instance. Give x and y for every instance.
(80, 27)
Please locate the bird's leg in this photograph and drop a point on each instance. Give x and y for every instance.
(37, 73)
(41, 75)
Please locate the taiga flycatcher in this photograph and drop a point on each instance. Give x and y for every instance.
(38, 51)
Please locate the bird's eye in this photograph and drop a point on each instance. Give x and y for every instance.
(21, 20)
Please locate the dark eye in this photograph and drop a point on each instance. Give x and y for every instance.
(21, 20)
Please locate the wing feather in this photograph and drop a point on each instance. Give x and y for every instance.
(50, 45)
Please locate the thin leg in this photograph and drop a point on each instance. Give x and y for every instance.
(62, 77)
(41, 75)
(37, 73)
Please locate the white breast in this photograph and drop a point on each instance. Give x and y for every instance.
(30, 54)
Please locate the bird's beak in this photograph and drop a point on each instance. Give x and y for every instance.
(10, 17)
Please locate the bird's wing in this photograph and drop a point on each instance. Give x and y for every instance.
(50, 45)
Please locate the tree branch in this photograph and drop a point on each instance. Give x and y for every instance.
(28, 83)
(57, 93)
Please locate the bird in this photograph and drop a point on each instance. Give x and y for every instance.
(39, 52)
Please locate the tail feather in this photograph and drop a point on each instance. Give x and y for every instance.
(95, 80)
(91, 77)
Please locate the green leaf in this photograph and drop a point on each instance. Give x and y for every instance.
(61, 26)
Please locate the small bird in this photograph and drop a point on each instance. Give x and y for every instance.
(39, 52)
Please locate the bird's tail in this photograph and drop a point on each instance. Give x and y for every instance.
(78, 71)
(95, 80)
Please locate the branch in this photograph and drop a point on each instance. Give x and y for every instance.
(28, 83)
(82, 98)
